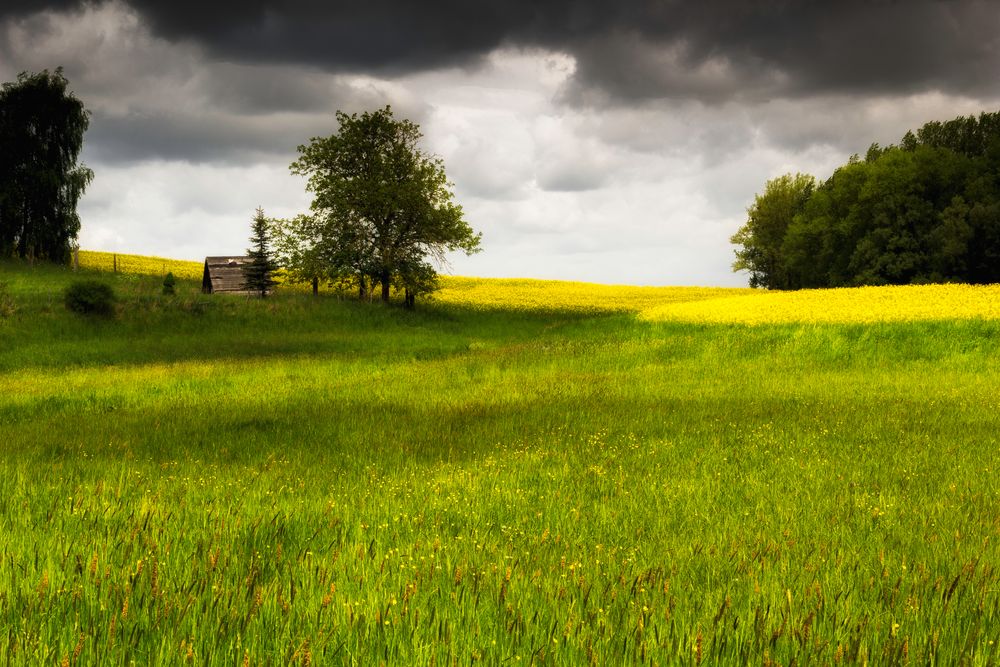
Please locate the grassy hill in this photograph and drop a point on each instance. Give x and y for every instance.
(517, 472)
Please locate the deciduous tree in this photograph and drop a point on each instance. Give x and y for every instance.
(299, 250)
(383, 208)
(41, 135)
(768, 219)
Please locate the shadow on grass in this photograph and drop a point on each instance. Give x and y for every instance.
(152, 328)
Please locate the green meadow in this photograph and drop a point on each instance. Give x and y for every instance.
(299, 480)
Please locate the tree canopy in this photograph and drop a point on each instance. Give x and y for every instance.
(41, 136)
(926, 210)
(383, 211)
(764, 232)
(299, 249)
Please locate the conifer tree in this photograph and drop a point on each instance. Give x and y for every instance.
(258, 273)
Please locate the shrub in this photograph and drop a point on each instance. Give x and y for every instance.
(168, 285)
(90, 297)
(7, 306)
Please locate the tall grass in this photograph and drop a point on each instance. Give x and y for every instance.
(296, 480)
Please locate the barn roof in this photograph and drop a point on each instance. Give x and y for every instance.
(224, 274)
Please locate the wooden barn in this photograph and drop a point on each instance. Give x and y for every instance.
(224, 275)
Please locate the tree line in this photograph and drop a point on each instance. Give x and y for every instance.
(925, 210)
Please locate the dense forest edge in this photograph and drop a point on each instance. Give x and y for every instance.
(925, 210)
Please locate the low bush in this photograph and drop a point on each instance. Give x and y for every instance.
(169, 284)
(91, 297)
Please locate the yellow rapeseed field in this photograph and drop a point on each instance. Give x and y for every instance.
(140, 264)
(843, 305)
(529, 294)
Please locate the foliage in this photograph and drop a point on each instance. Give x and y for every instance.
(573, 486)
(41, 132)
(927, 210)
(258, 272)
(301, 252)
(90, 297)
(169, 285)
(382, 207)
(764, 232)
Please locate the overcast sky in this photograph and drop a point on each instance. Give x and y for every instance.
(615, 142)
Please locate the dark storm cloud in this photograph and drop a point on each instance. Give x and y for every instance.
(21, 7)
(716, 51)
(189, 138)
(712, 50)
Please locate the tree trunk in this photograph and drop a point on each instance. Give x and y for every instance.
(410, 299)
(362, 288)
(315, 286)
(384, 279)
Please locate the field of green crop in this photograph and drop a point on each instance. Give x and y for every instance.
(298, 480)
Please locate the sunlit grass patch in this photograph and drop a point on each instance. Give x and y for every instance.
(861, 305)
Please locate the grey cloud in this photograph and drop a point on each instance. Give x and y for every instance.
(264, 90)
(486, 181)
(379, 35)
(687, 130)
(154, 100)
(703, 136)
(488, 168)
(714, 50)
(202, 136)
(193, 138)
(252, 90)
(22, 7)
(572, 178)
(849, 124)
(573, 174)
